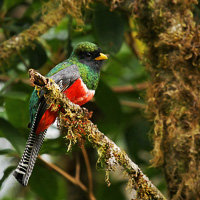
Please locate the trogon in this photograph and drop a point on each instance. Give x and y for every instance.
(78, 77)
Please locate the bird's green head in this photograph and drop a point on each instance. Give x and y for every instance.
(89, 54)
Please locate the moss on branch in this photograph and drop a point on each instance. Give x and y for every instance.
(74, 122)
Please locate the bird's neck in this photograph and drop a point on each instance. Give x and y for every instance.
(89, 76)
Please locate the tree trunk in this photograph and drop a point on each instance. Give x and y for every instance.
(172, 38)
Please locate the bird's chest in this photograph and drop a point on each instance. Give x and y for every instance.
(78, 92)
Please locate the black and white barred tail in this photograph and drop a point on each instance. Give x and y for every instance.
(27, 162)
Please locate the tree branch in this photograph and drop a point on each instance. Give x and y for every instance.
(133, 104)
(54, 12)
(64, 174)
(89, 172)
(25, 38)
(78, 167)
(75, 124)
(130, 88)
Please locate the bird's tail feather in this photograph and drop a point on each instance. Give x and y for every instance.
(27, 162)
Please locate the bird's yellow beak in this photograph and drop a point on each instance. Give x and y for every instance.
(101, 57)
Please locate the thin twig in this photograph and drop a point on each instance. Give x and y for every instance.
(117, 89)
(64, 174)
(133, 104)
(7, 84)
(131, 40)
(4, 78)
(89, 172)
(78, 167)
(130, 88)
(23, 61)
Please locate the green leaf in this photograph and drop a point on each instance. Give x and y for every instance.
(54, 146)
(12, 135)
(1, 3)
(8, 4)
(44, 183)
(17, 111)
(136, 136)
(17, 27)
(3, 114)
(109, 29)
(107, 100)
(22, 87)
(112, 192)
(37, 56)
(109, 104)
(7, 152)
(16, 95)
(1, 100)
(7, 172)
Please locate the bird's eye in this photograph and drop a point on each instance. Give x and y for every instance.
(88, 55)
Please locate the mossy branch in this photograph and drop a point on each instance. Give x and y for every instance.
(74, 122)
(52, 13)
(25, 38)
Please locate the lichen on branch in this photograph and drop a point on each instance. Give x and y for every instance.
(74, 122)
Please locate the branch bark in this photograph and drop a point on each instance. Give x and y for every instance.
(75, 124)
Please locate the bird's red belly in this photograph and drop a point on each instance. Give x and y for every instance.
(76, 93)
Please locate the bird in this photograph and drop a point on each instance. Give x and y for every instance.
(78, 78)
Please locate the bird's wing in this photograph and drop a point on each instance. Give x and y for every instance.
(64, 78)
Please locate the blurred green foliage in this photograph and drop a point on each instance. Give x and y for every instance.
(125, 125)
